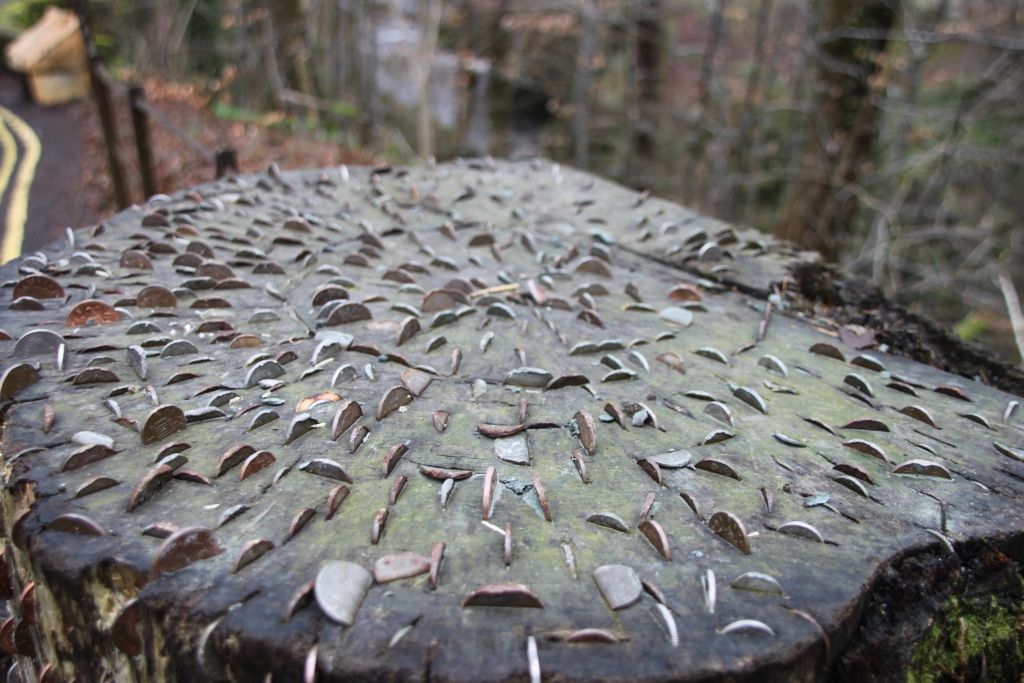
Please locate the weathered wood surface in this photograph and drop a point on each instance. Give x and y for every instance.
(351, 330)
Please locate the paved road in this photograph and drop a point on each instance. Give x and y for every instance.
(41, 171)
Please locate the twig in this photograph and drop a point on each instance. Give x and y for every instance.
(300, 99)
(178, 132)
(186, 19)
(493, 527)
(926, 37)
(1013, 307)
(762, 327)
(497, 289)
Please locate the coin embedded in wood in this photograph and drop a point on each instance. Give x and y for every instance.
(161, 422)
(730, 528)
(393, 399)
(328, 468)
(17, 378)
(672, 459)
(184, 548)
(258, 461)
(346, 415)
(38, 287)
(340, 588)
(398, 566)
(923, 468)
(92, 312)
(124, 631)
(443, 473)
(152, 481)
(619, 585)
(38, 342)
(503, 595)
(75, 523)
(801, 530)
(393, 456)
(757, 582)
(609, 520)
(654, 533)
(252, 551)
(587, 431)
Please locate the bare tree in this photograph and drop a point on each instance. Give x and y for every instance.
(363, 55)
(749, 120)
(581, 83)
(275, 80)
(697, 179)
(799, 111)
(430, 23)
(820, 207)
(649, 45)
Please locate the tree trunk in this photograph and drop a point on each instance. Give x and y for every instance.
(649, 44)
(701, 138)
(275, 81)
(430, 22)
(800, 111)
(241, 57)
(749, 127)
(363, 46)
(305, 54)
(886, 233)
(820, 208)
(581, 83)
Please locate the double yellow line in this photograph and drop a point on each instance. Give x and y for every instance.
(17, 201)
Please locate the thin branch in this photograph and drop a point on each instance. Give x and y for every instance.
(1013, 307)
(927, 37)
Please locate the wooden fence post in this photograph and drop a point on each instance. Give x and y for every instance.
(226, 161)
(140, 124)
(101, 93)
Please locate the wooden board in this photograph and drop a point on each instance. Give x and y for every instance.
(209, 357)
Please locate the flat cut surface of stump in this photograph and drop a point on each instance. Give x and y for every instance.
(512, 392)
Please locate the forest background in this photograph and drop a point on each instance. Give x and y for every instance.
(886, 134)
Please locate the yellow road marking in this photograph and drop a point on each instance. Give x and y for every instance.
(10, 152)
(17, 203)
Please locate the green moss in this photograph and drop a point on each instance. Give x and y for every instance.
(229, 112)
(970, 640)
(19, 15)
(971, 327)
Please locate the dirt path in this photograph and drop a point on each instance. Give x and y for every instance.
(54, 185)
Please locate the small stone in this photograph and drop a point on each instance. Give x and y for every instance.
(513, 449)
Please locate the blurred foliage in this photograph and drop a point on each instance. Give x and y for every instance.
(737, 108)
(973, 326)
(18, 15)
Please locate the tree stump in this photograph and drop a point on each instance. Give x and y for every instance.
(479, 422)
